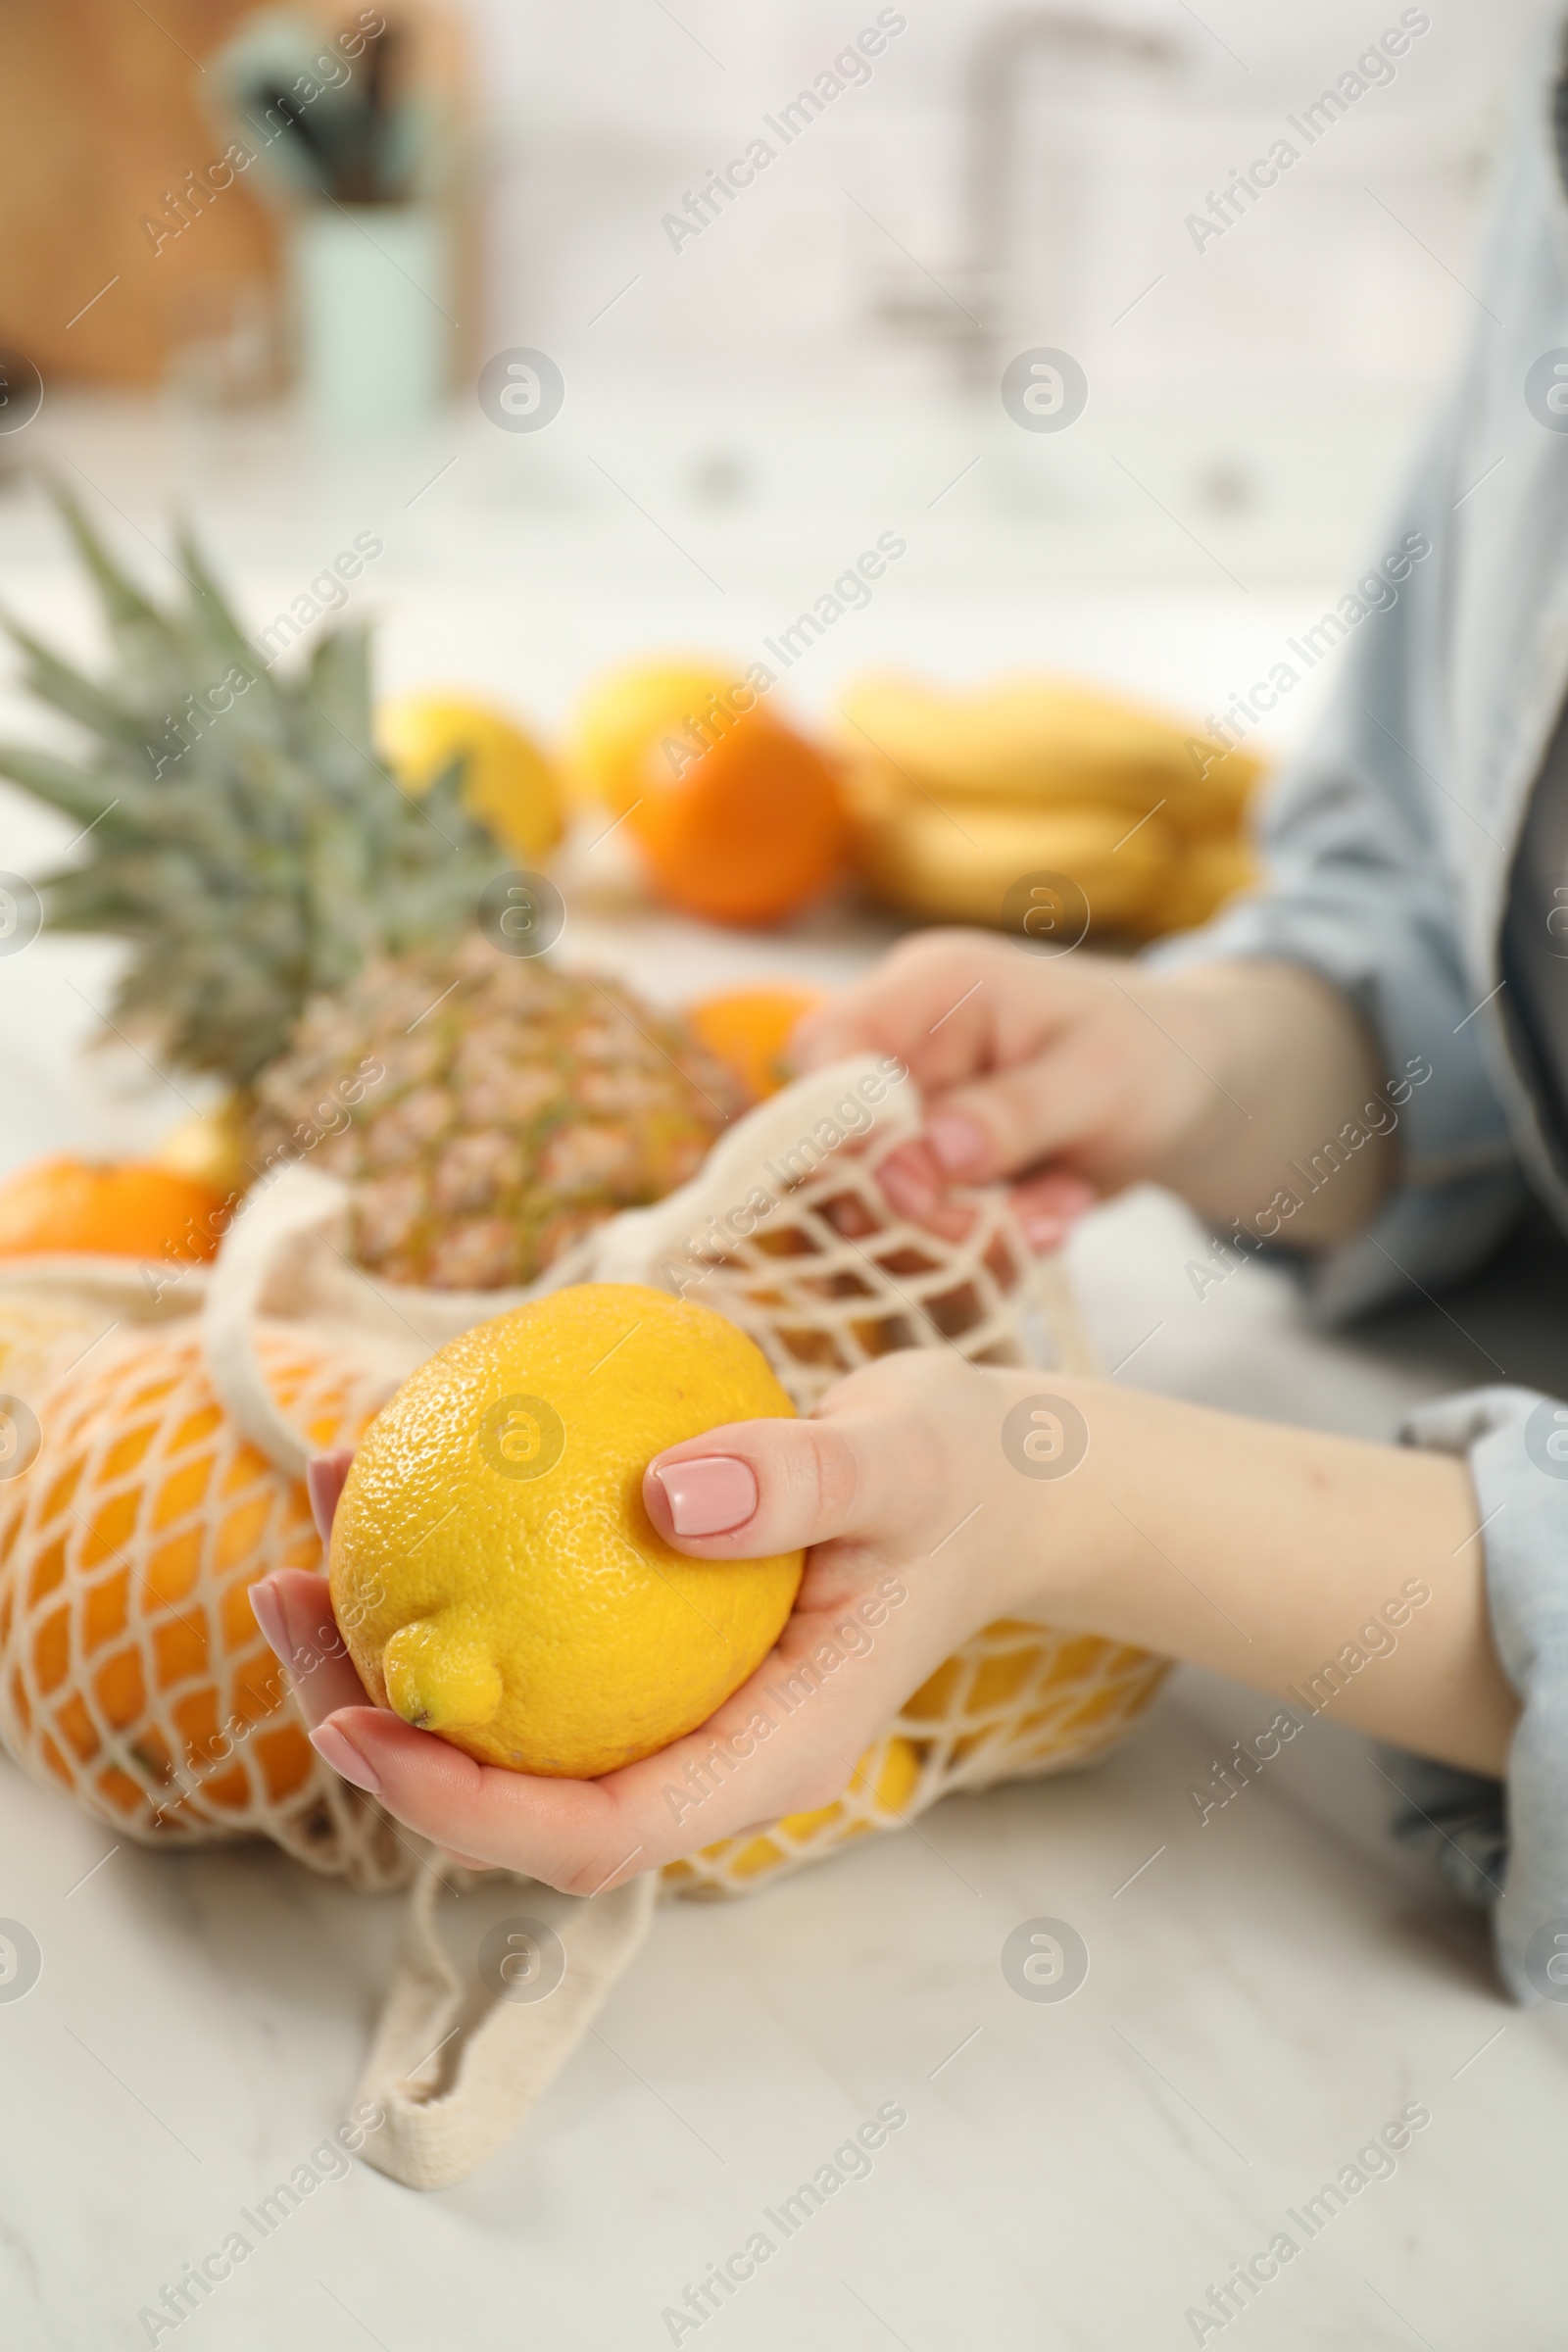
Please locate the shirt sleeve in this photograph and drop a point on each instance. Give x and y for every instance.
(1506, 1845)
(1360, 890)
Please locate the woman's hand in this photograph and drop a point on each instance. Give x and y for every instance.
(1078, 1074)
(1023, 1059)
(893, 1488)
(934, 1497)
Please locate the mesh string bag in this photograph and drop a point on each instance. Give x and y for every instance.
(159, 1437)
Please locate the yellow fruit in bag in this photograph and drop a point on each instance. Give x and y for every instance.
(883, 1784)
(493, 1569)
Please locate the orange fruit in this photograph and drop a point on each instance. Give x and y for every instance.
(748, 832)
(748, 1028)
(132, 1671)
(122, 1208)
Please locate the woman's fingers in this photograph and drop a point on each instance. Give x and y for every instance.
(571, 1834)
(325, 1477)
(936, 1002)
(750, 1489)
(920, 1188)
(787, 1740)
(1007, 1120)
(913, 1181)
(333, 1743)
(912, 1178)
(1019, 1058)
(1049, 1205)
(294, 1610)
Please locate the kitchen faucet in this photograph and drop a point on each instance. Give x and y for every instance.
(969, 314)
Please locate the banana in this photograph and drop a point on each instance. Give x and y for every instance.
(1047, 740)
(958, 863)
(958, 799)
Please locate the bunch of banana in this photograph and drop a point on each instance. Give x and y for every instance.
(963, 804)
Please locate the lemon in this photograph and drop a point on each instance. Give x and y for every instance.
(631, 711)
(494, 1572)
(508, 784)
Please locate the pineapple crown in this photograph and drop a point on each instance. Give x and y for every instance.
(238, 829)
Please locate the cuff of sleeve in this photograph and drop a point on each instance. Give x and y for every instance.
(1516, 1441)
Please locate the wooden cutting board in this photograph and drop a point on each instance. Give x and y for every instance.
(103, 121)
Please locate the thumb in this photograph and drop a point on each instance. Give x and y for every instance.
(325, 1476)
(1010, 1120)
(750, 1489)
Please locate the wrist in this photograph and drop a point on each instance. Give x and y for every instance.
(1288, 1079)
(1208, 1015)
(1063, 1552)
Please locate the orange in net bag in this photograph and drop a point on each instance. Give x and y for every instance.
(132, 1672)
(163, 1475)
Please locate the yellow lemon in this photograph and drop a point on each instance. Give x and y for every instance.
(509, 783)
(633, 711)
(493, 1569)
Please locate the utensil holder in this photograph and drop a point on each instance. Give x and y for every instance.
(371, 285)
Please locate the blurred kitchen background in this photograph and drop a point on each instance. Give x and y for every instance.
(1000, 178)
(746, 400)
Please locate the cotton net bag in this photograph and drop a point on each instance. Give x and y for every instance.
(154, 1432)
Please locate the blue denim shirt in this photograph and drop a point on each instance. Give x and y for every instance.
(1388, 847)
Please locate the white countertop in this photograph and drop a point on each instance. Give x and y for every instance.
(1265, 1994)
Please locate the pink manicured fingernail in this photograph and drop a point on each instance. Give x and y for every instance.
(957, 1141)
(1045, 1233)
(907, 1188)
(710, 1497)
(268, 1610)
(324, 1482)
(339, 1750)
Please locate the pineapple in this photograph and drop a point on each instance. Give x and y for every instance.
(518, 1109)
(244, 836)
(304, 931)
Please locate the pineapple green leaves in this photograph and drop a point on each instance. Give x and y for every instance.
(238, 830)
